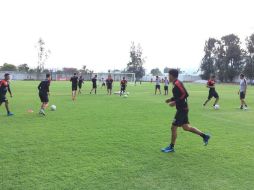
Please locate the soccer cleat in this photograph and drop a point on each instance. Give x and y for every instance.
(168, 149)
(10, 114)
(42, 112)
(206, 139)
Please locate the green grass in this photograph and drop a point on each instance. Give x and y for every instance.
(108, 142)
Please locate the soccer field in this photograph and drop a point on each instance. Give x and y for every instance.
(109, 142)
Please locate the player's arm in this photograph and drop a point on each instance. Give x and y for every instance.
(9, 90)
(48, 88)
(39, 86)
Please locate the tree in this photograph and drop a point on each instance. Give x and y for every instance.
(156, 72)
(234, 53)
(136, 63)
(209, 60)
(249, 64)
(43, 54)
(166, 70)
(8, 67)
(23, 68)
(70, 70)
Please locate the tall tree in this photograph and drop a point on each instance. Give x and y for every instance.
(249, 64)
(156, 72)
(233, 58)
(8, 67)
(208, 63)
(136, 63)
(43, 54)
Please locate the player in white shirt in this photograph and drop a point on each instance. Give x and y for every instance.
(242, 91)
(166, 83)
(157, 85)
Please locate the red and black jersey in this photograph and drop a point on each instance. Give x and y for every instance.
(123, 82)
(4, 87)
(211, 83)
(74, 80)
(180, 95)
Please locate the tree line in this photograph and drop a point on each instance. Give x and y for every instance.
(227, 58)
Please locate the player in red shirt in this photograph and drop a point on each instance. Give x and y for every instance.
(212, 91)
(109, 83)
(123, 86)
(4, 87)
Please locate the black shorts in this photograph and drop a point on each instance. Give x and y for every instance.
(123, 88)
(212, 94)
(94, 86)
(3, 99)
(165, 88)
(181, 118)
(80, 85)
(157, 87)
(242, 95)
(44, 98)
(74, 88)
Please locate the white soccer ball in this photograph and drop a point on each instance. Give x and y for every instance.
(53, 108)
(216, 107)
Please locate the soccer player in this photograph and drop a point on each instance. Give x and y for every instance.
(179, 100)
(166, 83)
(4, 87)
(157, 85)
(109, 83)
(123, 86)
(212, 91)
(242, 91)
(74, 85)
(44, 93)
(94, 81)
(80, 82)
(103, 82)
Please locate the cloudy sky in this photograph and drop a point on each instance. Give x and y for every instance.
(98, 33)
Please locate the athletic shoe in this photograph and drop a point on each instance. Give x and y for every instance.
(206, 139)
(168, 149)
(42, 112)
(10, 114)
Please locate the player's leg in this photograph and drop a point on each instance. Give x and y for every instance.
(188, 127)
(216, 96)
(170, 148)
(208, 99)
(9, 113)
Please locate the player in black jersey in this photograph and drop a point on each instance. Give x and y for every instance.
(179, 100)
(94, 81)
(80, 82)
(74, 85)
(44, 93)
(4, 87)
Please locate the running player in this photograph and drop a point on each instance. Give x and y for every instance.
(109, 83)
(44, 93)
(179, 100)
(94, 81)
(80, 82)
(4, 87)
(212, 91)
(242, 91)
(166, 83)
(74, 85)
(157, 85)
(103, 82)
(123, 86)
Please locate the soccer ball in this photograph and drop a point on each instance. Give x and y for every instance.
(125, 96)
(53, 108)
(216, 107)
